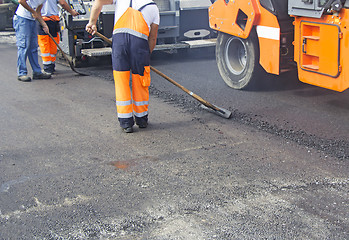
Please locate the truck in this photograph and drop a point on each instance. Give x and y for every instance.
(276, 36)
(183, 24)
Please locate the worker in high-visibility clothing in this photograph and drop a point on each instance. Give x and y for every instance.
(24, 23)
(47, 46)
(134, 38)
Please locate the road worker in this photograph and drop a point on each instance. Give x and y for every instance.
(48, 48)
(27, 40)
(134, 38)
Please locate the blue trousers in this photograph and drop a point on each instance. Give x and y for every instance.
(27, 45)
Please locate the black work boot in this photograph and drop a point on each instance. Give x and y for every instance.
(142, 122)
(128, 130)
(48, 68)
(126, 124)
(41, 75)
(53, 67)
(143, 125)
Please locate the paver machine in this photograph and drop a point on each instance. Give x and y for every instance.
(274, 36)
(183, 24)
(7, 10)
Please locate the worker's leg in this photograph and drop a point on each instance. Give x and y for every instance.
(26, 40)
(51, 64)
(123, 98)
(48, 47)
(140, 90)
(45, 48)
(54, 53)
(33, 49)
(121, 72)
(140, 61)
(21, 39)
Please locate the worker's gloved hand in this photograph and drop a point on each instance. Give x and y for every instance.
(91, 28)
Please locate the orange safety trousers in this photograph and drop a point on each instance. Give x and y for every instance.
(48, 48)
(130, 53)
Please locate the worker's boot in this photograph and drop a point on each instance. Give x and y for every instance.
(142, 122)
(41, 75)
(24, 78)
(128, 130)
(48, 68)
(126, 124)
(143, 125)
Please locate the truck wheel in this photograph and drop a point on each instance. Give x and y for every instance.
(238, 60)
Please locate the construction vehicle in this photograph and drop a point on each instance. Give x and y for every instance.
(7, 9)
(275, 36)
(183, 24)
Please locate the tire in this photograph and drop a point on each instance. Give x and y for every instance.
(238, 60)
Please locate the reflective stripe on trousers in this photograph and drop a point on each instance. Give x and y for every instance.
(140, 95)
(130, 53)
(48, 48)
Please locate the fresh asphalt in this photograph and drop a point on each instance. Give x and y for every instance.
(68, 172)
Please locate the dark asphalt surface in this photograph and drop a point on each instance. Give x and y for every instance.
(281, 105)
(277, 170)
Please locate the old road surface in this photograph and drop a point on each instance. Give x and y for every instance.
(277, 170)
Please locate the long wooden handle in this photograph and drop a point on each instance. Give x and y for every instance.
(103, 37)
(66, 57)
(60, 49)
(197, 97)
